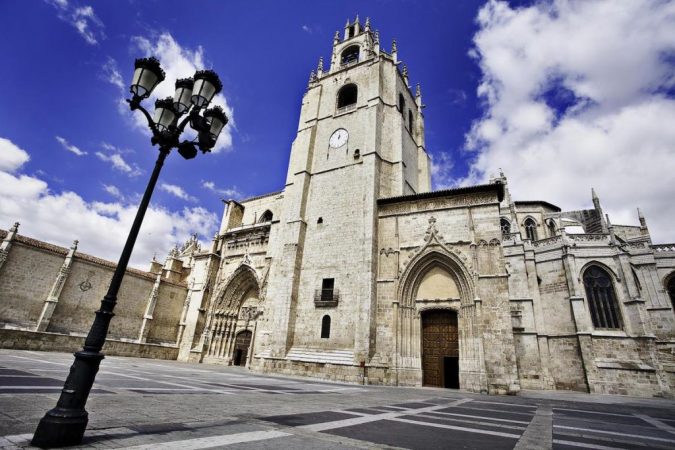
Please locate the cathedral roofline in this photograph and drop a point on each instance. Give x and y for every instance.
(260, 196)
(496, 188)
(538, 202)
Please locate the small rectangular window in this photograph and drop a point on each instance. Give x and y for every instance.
(327, 287)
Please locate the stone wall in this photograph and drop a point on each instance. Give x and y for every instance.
(35, 271)
(54, 342)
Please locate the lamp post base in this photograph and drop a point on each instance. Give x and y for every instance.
(60, 428)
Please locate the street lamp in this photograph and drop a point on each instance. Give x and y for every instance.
(65, 424)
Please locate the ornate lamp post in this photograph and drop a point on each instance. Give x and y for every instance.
(65, 424)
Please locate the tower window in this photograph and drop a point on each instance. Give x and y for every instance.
(325, 327)
(327, 287)
(401, 103)
(505, 226)
(266, 216)
(531, 229)
(320, 221)
(601, 298)
(410, 120)
(350, 55)
(347, 96)
(551, 227)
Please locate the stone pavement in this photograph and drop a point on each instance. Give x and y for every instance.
(151, 404)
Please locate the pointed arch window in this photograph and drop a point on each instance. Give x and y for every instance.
(410, 120)
(266, 216)
(401, 104)
(325, 327)
(505, 226)
(601, 298)
(670, 287)
(347, 96)
(551, 227)
(531, 229)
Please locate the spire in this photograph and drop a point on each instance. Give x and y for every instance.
(598, 209)
(319, 67)
(405, 75)
(367, 23)
(312, 77)
(610, 229)
(418, 97)
(643, 223)
(336, 38)
(376, 37)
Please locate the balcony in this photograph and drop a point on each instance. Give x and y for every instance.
(325, 298)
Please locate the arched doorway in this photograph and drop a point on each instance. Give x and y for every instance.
(232, 316)
(436, 318)
(440, 349)
(241, 345)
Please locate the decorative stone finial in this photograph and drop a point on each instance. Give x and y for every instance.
(418, 90)
(319, 67)
(357, 19)
(405, 70)
(367, 23)
(15, 227)
(394, 49)
(312, 77)
(593, 194)
(336, 38)
(74, 246)
(376, 37)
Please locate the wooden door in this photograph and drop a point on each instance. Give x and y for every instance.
(241, 345)
(439, 341)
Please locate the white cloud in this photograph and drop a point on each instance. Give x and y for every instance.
(11, 156)
(441, 170)
(178, 62)
(307, 29)
(226, 193)
(101, 227)
(574, 96)
(113, 190)
(70, 147)
(82, 18)
(111, 73)
(177, 191)
(118, 163)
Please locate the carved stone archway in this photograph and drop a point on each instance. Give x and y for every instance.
(234, 310)
(439, 264)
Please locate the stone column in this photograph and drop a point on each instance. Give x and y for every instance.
(7, 243)
(55, 292)
(149, 310)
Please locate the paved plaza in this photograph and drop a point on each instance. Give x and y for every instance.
(151, 404)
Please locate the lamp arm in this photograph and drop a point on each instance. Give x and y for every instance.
(194, 112)
(135, 104)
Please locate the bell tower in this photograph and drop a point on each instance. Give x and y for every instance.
(360, 137)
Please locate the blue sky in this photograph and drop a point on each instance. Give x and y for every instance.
(531, 87)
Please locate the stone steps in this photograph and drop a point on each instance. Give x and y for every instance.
(344, 357)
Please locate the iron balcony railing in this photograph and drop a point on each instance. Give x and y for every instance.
(326, 297)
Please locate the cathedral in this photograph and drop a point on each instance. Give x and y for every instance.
(357, 271)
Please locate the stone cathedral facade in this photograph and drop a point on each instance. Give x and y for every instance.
(356, 271)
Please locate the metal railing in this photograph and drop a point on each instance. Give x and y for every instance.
(326, 297)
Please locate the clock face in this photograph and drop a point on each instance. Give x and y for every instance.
(338, 138)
